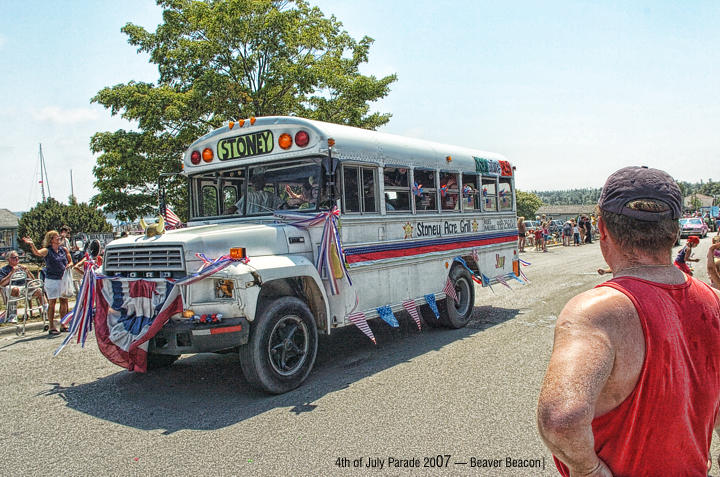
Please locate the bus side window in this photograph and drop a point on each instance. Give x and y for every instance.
(397, 189)
(505, 195)
(209, 202)
(351, 199)
(489, 194)
(470, 198)
(424, 191)
(449, 192)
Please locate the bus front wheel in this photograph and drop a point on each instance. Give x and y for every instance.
(282, 347)
(457, 313)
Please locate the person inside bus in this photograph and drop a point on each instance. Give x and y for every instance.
(306, 199)
(258, 199)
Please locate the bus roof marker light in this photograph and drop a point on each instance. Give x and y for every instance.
(448, 158)
(252, 120)
(195, 157)
(207, 154)
(231, 124)
(331, 142)
(302, 138)
(285, 141)
(241, 123)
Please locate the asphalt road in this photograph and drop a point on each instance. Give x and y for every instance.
(468, 394)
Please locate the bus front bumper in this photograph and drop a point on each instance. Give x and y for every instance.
(182, 336)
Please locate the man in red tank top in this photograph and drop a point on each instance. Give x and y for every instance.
(633, 384)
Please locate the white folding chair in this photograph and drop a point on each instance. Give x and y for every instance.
(27, 289)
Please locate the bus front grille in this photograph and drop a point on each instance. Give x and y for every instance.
(145, 261)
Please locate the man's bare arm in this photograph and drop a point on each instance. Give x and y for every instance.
(580, 365)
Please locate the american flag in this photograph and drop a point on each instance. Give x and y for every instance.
(359, 320)
(450, 290)
(411, 308)
(172, 221)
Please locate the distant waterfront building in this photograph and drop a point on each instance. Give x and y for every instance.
(8, 230)
(564, 212)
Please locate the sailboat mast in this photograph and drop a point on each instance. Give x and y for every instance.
(44, 171)
(42, 178)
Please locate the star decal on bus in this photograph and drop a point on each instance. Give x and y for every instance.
(474, 225)
(408, 228)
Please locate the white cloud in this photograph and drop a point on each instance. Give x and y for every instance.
(58, 115)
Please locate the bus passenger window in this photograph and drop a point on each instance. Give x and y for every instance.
(424, 191)
(470, 198)
(209, 202)
(489, 194)
(449, 193)
(505, 195)
(369, 202)
(397, 189)
(351, 199)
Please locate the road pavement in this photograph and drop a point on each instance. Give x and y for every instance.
(441, 399)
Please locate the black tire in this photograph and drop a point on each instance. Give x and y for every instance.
(157, 361)
(282, 347)
(457, 314)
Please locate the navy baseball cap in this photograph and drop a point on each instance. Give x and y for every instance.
(634, 183)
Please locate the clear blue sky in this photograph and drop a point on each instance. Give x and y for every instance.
(568, 91)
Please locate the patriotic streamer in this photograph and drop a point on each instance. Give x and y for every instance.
(359, 320)
(443, 190)
(430, 299)
(387, 315)
(501, 279)
(207, 268)
(450, 290)
(411, 308)
(80, 320)
(417, 189)
(329, 244)
(486, 282)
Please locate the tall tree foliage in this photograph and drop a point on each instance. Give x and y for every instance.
(527, 204)
(220, 60)
(51, 215)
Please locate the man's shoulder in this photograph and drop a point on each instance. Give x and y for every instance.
(601, 307)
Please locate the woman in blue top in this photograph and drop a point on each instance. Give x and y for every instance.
(57, 260)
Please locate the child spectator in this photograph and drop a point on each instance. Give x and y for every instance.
(713, 262)
(538, 238)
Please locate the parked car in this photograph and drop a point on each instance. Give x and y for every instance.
(693, 226)
(556, 227)
(532, 225)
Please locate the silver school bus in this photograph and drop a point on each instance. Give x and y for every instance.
(406, 207)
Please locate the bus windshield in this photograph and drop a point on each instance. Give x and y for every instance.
(257, 190)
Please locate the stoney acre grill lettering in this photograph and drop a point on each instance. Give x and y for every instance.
(247, 145)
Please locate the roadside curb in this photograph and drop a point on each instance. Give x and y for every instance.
(32, 326)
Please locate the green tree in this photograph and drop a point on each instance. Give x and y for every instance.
(527, 204)
(221, 60)
(51, 215)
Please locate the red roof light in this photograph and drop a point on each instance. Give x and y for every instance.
(195, 157)
(302, 139)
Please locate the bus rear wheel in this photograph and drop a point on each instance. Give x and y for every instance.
(282, 347)
(456, 314)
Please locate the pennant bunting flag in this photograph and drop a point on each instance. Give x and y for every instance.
(500, 279)
(450, 290)
(359, 320)
(387, 315)
(411, 308)
(486, 282)
(430, 299)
